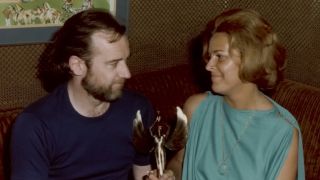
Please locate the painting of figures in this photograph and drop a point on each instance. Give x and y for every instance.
(39, 13)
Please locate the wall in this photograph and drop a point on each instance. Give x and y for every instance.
(159, 32)
(18, 85)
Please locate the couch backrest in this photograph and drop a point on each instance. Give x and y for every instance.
(166, 89)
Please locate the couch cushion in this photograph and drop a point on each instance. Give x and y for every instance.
(7, 117)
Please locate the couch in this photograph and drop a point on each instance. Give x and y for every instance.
(169, 87)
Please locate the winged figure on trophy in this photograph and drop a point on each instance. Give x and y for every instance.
(160, 135)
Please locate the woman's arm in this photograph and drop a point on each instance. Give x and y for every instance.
(290, 167)
(175, 164)
(140, 171)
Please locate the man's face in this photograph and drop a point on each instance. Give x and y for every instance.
(108, 70)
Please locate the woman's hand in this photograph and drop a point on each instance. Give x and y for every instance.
(167, 175)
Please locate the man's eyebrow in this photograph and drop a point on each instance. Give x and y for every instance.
(118, 59)
(113, 61)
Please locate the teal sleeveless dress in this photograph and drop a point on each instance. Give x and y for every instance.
(226, 143)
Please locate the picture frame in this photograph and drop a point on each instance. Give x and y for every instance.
(14, 32)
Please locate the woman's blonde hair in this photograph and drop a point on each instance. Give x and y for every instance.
(262, 56)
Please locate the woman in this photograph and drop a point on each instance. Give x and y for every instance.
(237, 132)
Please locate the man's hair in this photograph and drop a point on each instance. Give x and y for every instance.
(74, 39)
(262, 56)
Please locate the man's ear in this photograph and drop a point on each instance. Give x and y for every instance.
(77, 66)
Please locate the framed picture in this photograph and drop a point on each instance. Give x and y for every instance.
(35, 21)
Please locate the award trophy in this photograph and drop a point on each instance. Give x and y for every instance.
(160, 136)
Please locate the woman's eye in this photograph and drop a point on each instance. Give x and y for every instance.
(206, 57)
(220, 57)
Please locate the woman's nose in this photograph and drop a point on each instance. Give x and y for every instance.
(211, 64)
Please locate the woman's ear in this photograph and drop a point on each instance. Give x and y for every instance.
(77, 66)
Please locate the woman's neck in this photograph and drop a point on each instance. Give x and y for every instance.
(249, 99)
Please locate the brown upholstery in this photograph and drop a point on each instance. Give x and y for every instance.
(7, 117)
(165, 89)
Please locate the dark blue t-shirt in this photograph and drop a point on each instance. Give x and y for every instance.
(51, 140)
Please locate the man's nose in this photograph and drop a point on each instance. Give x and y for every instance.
(124, 71)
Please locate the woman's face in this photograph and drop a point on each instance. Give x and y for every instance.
(223, 63)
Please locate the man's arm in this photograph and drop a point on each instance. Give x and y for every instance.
(28, 149)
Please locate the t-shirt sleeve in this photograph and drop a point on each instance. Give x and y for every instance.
(29, 149)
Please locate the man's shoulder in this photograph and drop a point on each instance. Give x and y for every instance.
(133, 96)
(47, 104)
(134, 101)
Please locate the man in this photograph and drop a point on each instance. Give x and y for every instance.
(83, 128)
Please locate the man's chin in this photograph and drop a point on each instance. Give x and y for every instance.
(118, 86)
(108, 97)
(116, 95)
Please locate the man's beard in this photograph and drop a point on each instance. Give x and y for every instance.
(99, 92)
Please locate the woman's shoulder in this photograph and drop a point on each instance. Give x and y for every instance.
(196, 98)
(193, 102)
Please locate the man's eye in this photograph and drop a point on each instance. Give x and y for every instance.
(112, 64)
